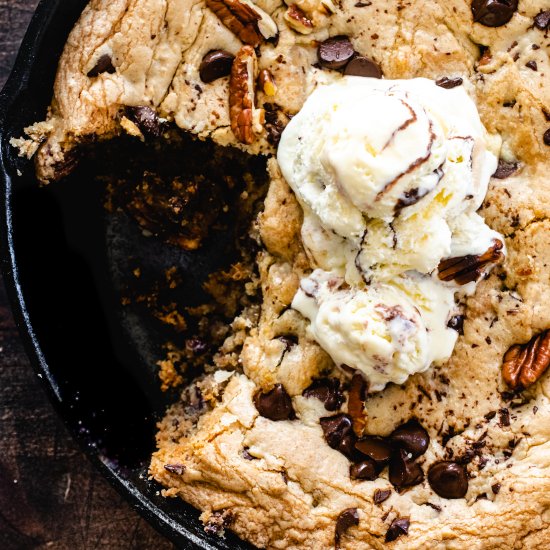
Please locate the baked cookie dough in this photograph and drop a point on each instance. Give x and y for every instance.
(266, 444)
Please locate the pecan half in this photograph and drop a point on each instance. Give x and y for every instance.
(246, 120)
(524, 364)
(298, 20)
(244, 19)
(465, 269)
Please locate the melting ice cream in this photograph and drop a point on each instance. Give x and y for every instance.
(390, 175)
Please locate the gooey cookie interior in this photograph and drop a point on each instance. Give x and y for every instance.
(375, 217)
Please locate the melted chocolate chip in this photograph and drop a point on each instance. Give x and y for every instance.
(347, 447)
(505, 169)
(412, 437)
(366, 469)
(103, 65)
(328, 391)
(381, 495)
(363, 66)
(376, 448)
(546, 137)
(215, 64)
(348, 518)
(542, 20)
(404, 472)
(335, 52)
(338, 432)
(276, 404)
(496, 488)
(493, 13)
(177, 469)
(532, 65)
(448, 479)
(457, 323)
(449, 83)
(398, 528)
(146, 120)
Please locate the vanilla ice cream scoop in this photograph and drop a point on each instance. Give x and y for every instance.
(390, 174)
(385, 331)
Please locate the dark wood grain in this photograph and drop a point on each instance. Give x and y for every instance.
(50, 495)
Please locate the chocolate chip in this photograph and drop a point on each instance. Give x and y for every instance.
(505, 169)
(146, 120)
(177, 469)
(412, 437)
(366, 469)
(348, 518)
(275, 122)
(449, 83)
(247, 455)
(218, 522)
(542, 20)
(532, 65)
(457, 323)
(103, 65)
(504, 415)
(328, 391)
(363, 66)
(546, 137)
(376, 448)
(404, 472)
(195, 345)
(276, 404)
(398, 528)
(338, 432)
(496, 488)
(448, 479)
(493, 13)
(215, 64)
(335, 52)
(381, 495)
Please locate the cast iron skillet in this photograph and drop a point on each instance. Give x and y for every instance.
(59, 252)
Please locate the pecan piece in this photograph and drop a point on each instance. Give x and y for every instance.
(244, 19)
(298, 20)
(266, 83)
(465, 269)
(356, 403)
(524, 364)
(246, 120)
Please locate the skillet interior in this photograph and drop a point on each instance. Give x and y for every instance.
(60, 252)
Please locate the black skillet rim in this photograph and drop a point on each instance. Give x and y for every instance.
(177, 532)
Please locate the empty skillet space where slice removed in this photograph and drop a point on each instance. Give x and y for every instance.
(107, 284)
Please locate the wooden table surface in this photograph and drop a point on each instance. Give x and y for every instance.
(50, 495)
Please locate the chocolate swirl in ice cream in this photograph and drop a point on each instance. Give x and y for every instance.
(390, 175)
